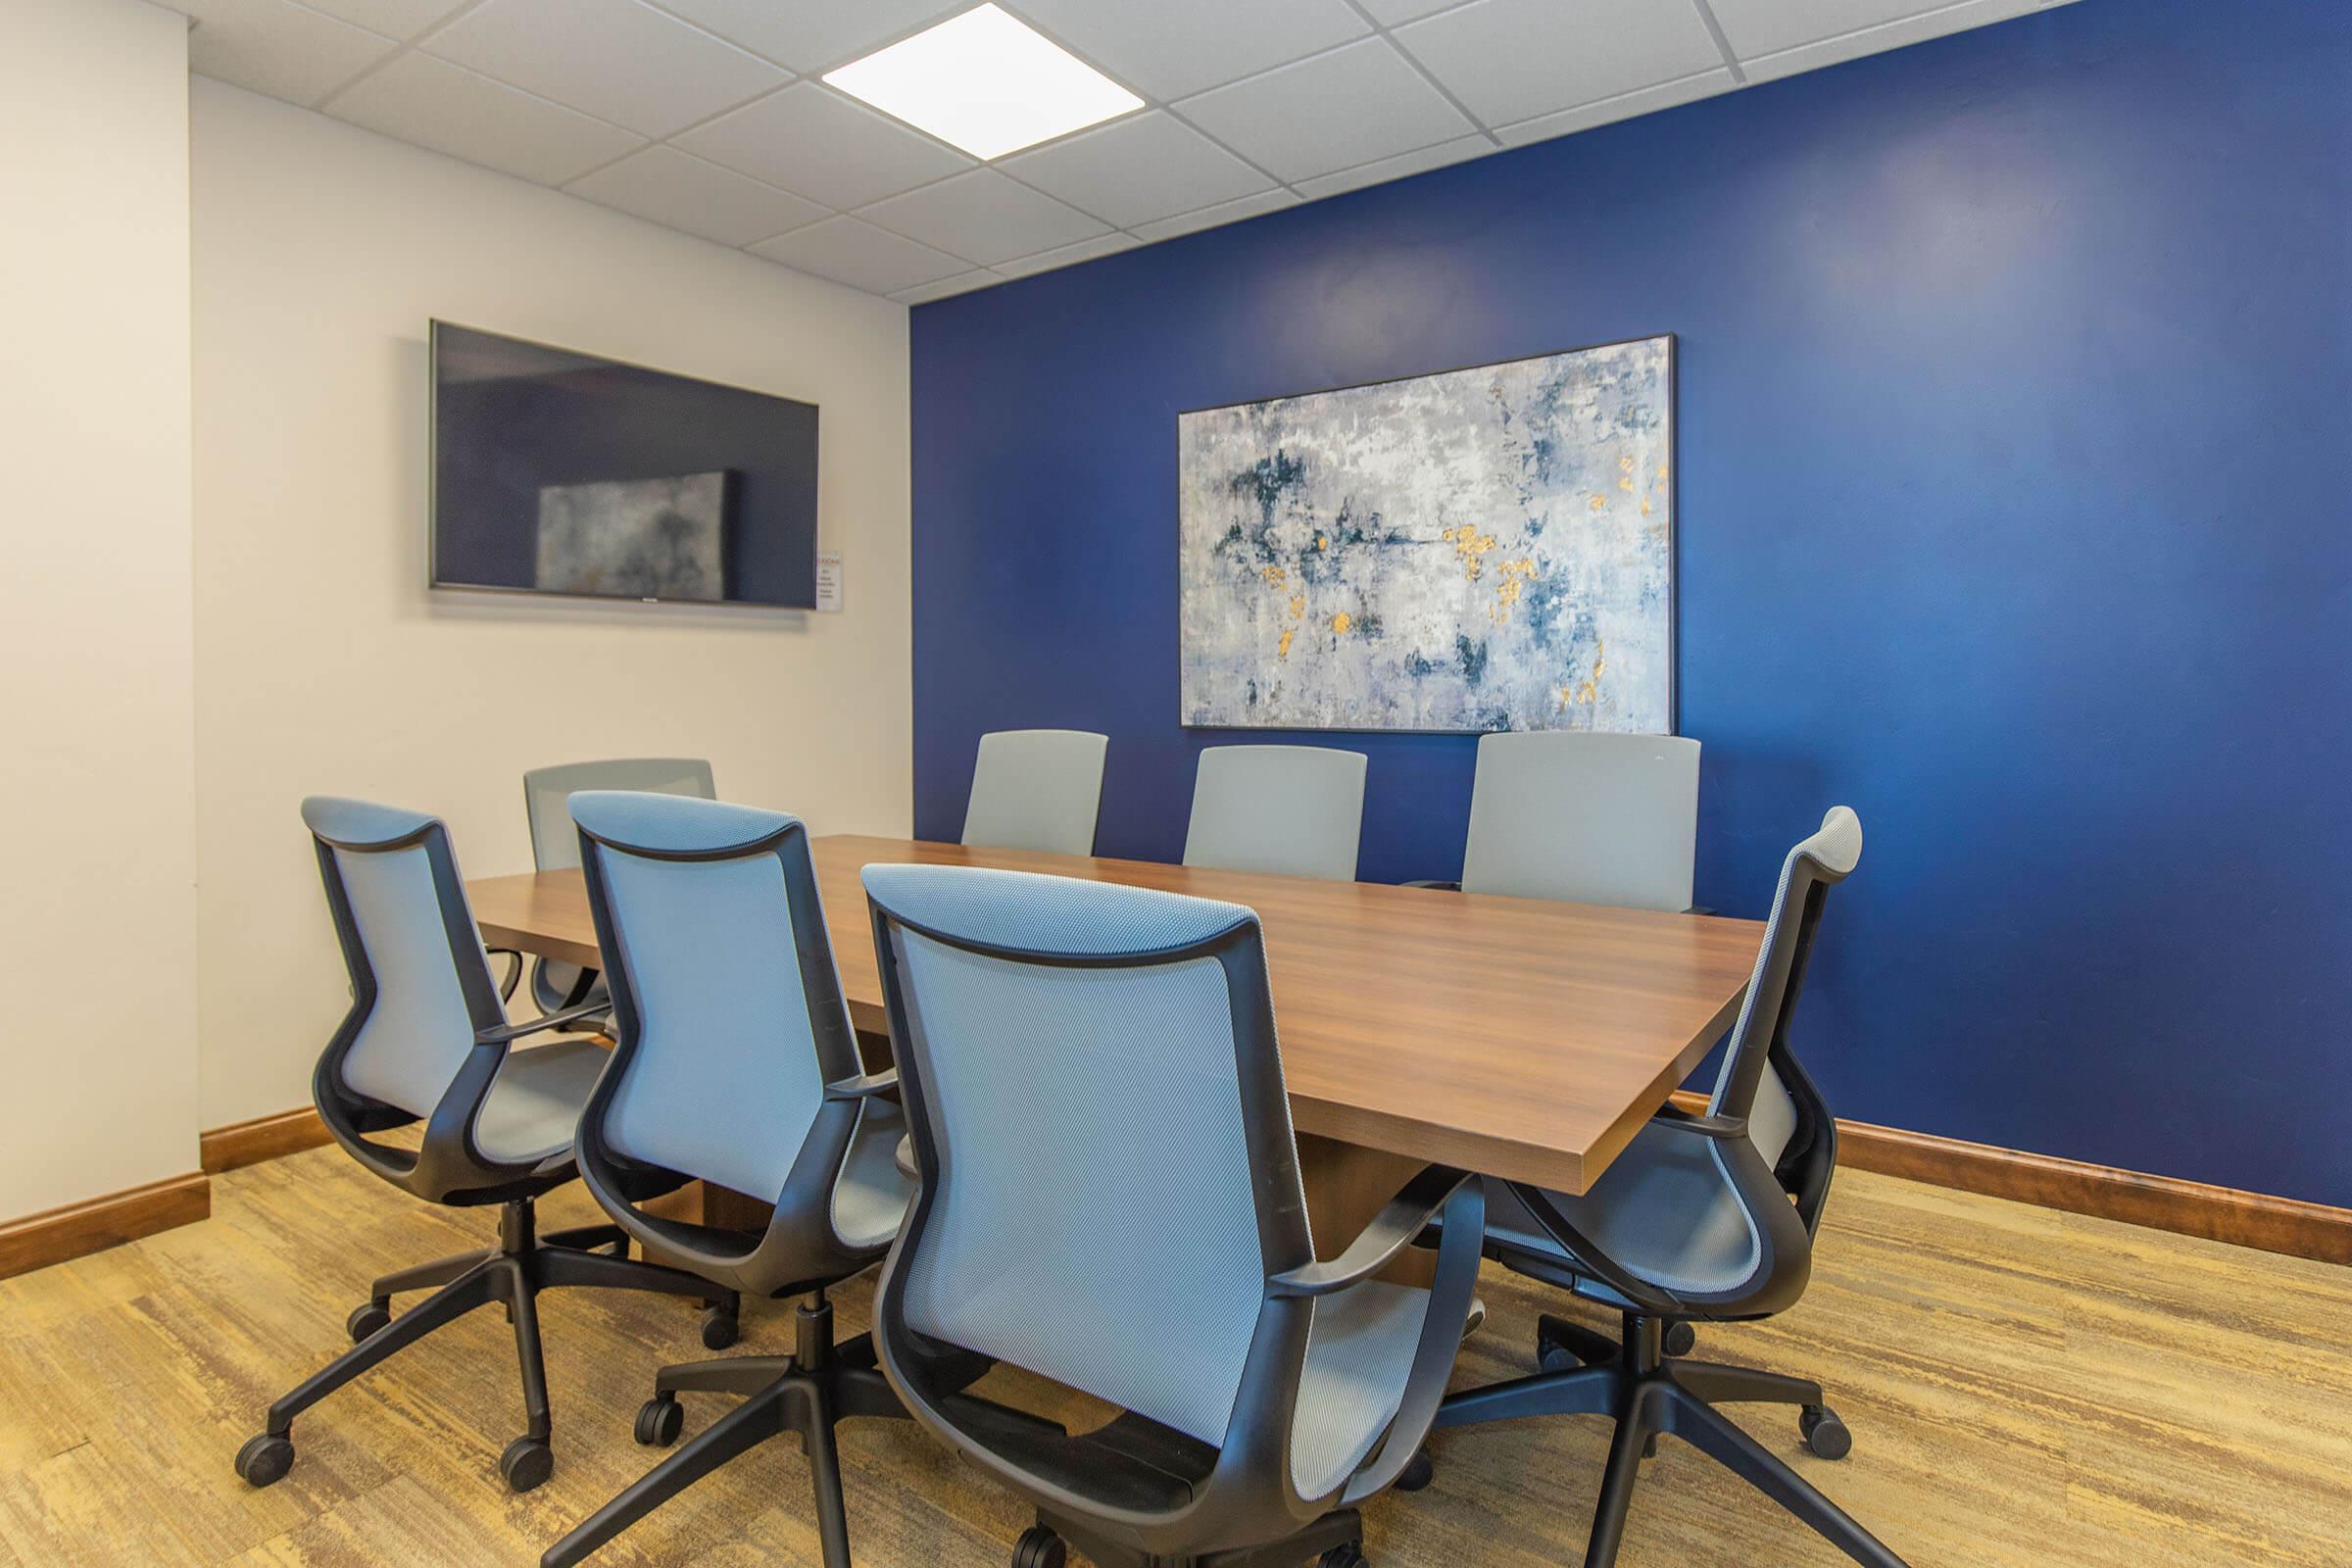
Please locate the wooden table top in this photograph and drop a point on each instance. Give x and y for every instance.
(1514, 1037)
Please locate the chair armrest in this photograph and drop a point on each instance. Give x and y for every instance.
(506, 986)
(1446, 887)
(1700, 908)
(1441, 1342)
(1391, 1232)
(531, 1026)
(904, 1156)
(864, 1086)
(1669, 1115)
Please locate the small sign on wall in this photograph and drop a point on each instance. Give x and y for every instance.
(828, 579)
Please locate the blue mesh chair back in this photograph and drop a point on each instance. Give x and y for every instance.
(730, 1025)
(556, 843)
(1035, 789)
(1585, 818)
(1297, 810)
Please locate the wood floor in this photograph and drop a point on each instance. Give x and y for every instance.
(2023, 1387)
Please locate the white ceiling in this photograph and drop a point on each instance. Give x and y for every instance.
(706, 114)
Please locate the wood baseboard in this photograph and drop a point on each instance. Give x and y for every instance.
(2285, 1225)
(52, 1237)
(248, 1142)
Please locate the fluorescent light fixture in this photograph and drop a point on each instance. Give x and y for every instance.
(985, 82)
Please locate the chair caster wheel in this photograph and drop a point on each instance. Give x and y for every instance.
(1350, 1555)
(721, 1329)
(660, 1420)
(368, 1318)
(526, 1463)
(1680, 1339)
(1824, 1433)
(1418, 1472)
(1040, 1547)
(264, 1461)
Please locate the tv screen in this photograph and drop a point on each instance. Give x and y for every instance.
(557, 472)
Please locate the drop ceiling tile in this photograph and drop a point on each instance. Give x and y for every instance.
(1389, 12)
(617, 60)
(1145, 167)
(278, 48)
(451, 109)
(1215, 217)
(851, 251)
(1338, 109)
(962, 283)
(1624, 106)
(1396, 167)
(1168, 48)
(983, 217)
(1890, 35)
(667, 186)
(1511, 59)
(1765, 27)
(396, 18)
(1086, 250)
(812, 35)
(813, 142)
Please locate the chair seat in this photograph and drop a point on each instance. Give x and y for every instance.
(533, 1106)
(872, 1194)
(1664, 1211)
(1358, 1359)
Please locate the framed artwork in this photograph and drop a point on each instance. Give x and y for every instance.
(1478, 550)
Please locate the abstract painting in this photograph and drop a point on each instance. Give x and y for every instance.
(636, 538)
(1487, 549)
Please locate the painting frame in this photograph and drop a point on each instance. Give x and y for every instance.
(1673, 557)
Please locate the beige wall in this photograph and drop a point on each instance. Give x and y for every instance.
(98, 924)
(322, 663)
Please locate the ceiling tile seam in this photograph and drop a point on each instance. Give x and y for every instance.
(401, 48)
(1629, 92)
(1413, 62)
(2033, 7)
(1723, 42)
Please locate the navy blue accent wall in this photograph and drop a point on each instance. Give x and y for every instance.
(2016, 512)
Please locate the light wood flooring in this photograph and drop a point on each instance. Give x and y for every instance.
(2025, 1388)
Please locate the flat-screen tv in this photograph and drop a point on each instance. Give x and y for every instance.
(557, 472)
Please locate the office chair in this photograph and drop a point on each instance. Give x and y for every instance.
(555, 847)
(1708, 1217)
(426, 1041)
(1583, 818)
(1110, 1197)
(1035, 789)
(737, 1065)
(1294, 809)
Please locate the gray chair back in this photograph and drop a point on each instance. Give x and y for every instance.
(1297, 811)
(732, 1039)
(1760, 1079)
(1585, 819)
(422, 993)
(556, 843)
(1035, 789)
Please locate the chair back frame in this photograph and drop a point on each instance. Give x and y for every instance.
(800, 1250)
(1248, 1496)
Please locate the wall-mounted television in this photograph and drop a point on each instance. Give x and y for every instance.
(559, 472)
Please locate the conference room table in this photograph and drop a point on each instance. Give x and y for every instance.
(1519, 1038)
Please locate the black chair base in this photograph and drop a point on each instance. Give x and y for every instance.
(1335, 1541)
(1650, 1397)
(807, 1392)
(512, 1274)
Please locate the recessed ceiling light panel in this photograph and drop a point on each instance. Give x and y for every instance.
(985, 82)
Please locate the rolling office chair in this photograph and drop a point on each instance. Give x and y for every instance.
(426, 1041)
(1708, 1217)
(1111, 1198)
(555, 847)
(1583, 818)
(737, 1065)
(1035, 789)
(1297, 811)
